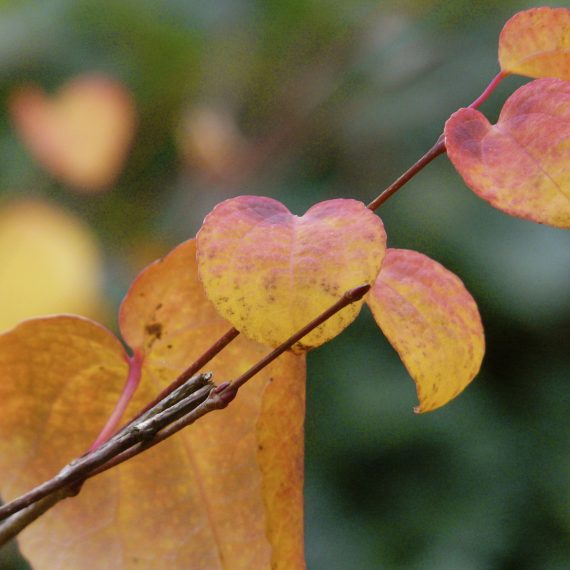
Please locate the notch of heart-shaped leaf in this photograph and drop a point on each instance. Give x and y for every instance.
(536, 43)
(228, 488)
(521, 165)
(270, 272)
(432, 321)
(82, 134)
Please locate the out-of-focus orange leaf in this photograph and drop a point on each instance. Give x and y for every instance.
(82, 134)
(50, 263)
(270, 272)
(521, 165)
(211, 142)
(536, 43)
(433, 323)
(212, 497)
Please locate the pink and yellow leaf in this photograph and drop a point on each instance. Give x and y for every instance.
(433, 323)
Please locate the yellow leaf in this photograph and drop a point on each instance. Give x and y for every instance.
(197, 500)
(50, 263)
(270, 273)
(433, 323)
(536, 43)
(81, 135)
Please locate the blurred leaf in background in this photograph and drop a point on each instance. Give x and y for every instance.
(82, 134)
(51, 263)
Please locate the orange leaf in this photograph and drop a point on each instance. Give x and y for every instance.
(81, 135)
(536, 43)
(519, 165)
(432, 321)
(269, 272)
(198, 500)
(50, 263)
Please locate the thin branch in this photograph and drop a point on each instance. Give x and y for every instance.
(347, 299)
(15, 524)
(192, 393)
(437, 149)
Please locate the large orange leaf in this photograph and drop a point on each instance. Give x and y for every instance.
(214, 496)
(521, 165)
(270, 272)
(50, 263)
(536, 43)
(432, 321)
(82, 134)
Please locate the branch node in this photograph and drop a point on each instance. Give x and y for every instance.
(222, 395)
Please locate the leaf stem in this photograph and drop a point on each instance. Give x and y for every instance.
(488, 90)
(133, 380)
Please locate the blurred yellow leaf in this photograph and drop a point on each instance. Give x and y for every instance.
(215, 496)
(50, 263)
(536, 43)
(82, 134)
(270, 272)
(433, 323)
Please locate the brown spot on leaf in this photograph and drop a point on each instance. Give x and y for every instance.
(154, 329)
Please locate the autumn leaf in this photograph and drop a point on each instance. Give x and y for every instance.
(50, 263)
(215, 496)
(433, 323)
(270, 272)
(536, 43)
(521, 164)
(210, 141)
(82, 134)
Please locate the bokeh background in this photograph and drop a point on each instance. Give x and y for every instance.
(306, 100)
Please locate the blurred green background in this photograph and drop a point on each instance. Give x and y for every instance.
(306, 100)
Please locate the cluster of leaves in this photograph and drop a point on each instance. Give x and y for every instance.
(231, 492)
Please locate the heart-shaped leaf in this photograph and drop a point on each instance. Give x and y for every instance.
(224, 493)
(433, 323)
(521, 165)
(536, 43)
(270, 272)
(82, 134)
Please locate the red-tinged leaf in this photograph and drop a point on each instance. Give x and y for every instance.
(50, 263)
(270, 272)
(198, 500)
(521, 165)
(81, 135)
(433, 323)
(536, 43)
